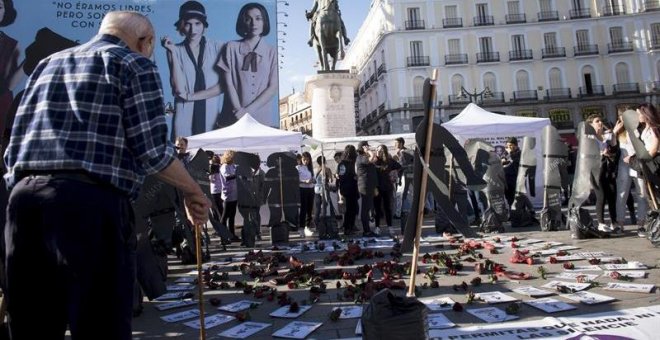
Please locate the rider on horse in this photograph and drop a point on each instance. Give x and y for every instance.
(325, 4)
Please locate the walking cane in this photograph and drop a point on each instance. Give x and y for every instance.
(424, 182)
(200, 281)
(650, 189)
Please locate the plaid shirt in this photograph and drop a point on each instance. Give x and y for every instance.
(97, 107)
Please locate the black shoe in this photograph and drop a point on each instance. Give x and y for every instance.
(259, 237)
(369, 234)
(641, 232)
(235, 238)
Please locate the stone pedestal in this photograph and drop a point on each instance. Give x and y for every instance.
(333, 107)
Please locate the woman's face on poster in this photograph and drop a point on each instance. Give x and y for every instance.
(193, 29)
(254, 22)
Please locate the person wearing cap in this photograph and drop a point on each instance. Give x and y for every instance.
(511, 163)
(367, 176)
(249, 68)
(194, 79)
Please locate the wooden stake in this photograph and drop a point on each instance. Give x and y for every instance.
(422, 191)
(650, 189)
(200, 280)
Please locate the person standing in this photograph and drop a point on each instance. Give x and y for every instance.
(306, 185)
(229, 192)
(215, 186)
(388, 175)
(322, 178)
(78, 153)
(605, 185)
(249, 68)
(511, 164)
(348, 188)
(367, 178)
(194, 79)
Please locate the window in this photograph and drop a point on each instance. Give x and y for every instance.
(490, 82)
(518, 42)
(482, 10)
(616, 36)
(522, 80)
(513, 7)
(655, 35)
(451, 12)
(622, 74)
(578, 4)
(555, 79)
(582, 38)
(418, 87)
(413, 14)
(456, 84)
(545, 5)
(454, 46)
(486, 44)
(550, 40)
(588, 79)
(416, 49)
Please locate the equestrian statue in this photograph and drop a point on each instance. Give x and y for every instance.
(327, 32)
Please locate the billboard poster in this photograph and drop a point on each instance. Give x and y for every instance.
(217, 58)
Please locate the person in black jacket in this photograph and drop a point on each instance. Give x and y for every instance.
(348, 188)
(388, 175)
(511, 163)
(367, 183)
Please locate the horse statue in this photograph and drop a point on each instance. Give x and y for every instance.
(326, 28)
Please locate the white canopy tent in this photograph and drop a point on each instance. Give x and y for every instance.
(475, 122)
(247, 134)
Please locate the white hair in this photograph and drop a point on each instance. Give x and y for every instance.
(126, 24)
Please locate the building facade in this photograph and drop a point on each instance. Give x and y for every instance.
(561, 59)
(295, 114)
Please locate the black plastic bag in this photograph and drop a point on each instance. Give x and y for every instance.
(391, 317)
(582, 225)
(652, 227)
(491, 222)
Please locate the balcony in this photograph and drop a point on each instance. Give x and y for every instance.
(452, 22)
(651, 5)
(621, 46)
(520, 55)
(456, 99)
(456, 59)
(373, 79)
(558, 93)
(593, 91)
(612, 10)
(381, 69)
(419, 61)
(548, 16)
(483, 20)
(655, 43)
(381, 107)
(415, 25)
(656, 85)
(414, 103)
(488, 57)
(585, 49)
(625, 88)
(553, 52)
(524, 95)
(495, 97)
(515, 18)
(581, 13)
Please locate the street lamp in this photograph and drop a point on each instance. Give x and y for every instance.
(282, 23)
(475, 97)
(282, 12)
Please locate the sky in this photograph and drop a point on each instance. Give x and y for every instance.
(299, 59)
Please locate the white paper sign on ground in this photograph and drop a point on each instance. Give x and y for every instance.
(173, 296)
(174, 305)
(244, 330)
(635, 274)
(495, 297)
(636, 323)
(283, 312)
(629, 287)
(439, 321)
(589, 298)
(632, 265)
(550, 305)
(538, 329)
(180, 288)
(210, 321)
(574, 275)
(440, 304)
(186, 279)
(350, 312)
(567, 258)
(180, 316)
(610, 259)
(587, 268)
(491, 314)
(575, 286)
(532, 291)
(238, 306)
(297, 330)
(593, 254)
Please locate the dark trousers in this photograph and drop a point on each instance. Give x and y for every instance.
(367, 202)
(218, 207)
(228, 215)
(605, 194)
(306, 206)
(383, 203)
(77, 241)
(320, 208)
(351, 201)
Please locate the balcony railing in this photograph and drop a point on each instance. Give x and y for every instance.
(419, 61)
(455, 99)
(456, 59)
(625, 88)
(487, 57)
(525, 95)
(452, 22)
(581, 13)
(493, 97)
(381, 69)
(381, 107)
(611, 10)
(656, 85)
(553, 52)
(651, 5)
(373, 79)
(558, 93)
(548, 16)
(515, 18)
(415, 25)
(484, 20)
(594, 90)
(585, 49)
(521, 55)
(622, 46)
(655, 43)
(415, 102)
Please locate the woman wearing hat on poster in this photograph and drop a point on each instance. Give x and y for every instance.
(194, 80)
(249, 69)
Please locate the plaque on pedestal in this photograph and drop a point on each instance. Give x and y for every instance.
(330, 93)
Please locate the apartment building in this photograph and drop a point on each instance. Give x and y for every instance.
(561, 59)
(295, 113)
